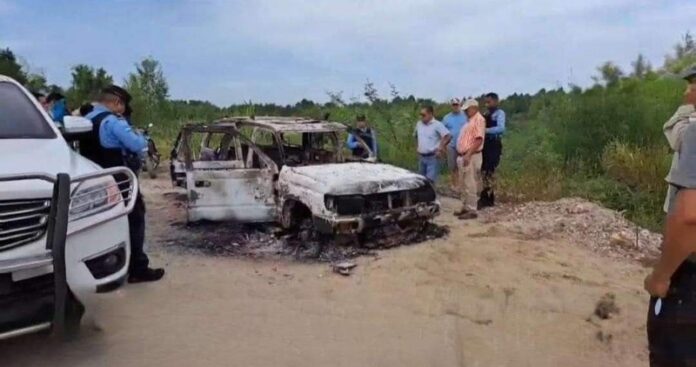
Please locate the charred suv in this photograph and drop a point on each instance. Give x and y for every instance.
(293, 171)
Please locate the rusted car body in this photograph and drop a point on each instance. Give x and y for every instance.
(291, 171)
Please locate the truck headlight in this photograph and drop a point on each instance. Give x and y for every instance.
(94, 199)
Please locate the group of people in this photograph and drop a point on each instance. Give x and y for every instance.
(113, 142)
(470, 141)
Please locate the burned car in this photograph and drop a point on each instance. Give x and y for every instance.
(292, 171)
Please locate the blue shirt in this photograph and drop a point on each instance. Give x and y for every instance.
(59, 110)
(115, 132)
(454, 123)
(429, 135)
(499, 117)
(353, 143)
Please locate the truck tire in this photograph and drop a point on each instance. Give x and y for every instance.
(294, 213)
(150, 167)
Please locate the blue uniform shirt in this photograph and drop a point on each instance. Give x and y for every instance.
(454, 122)
(352, 142)
(115, 132)
(499, 117)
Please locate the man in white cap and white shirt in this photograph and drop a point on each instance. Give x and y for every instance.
(469, 148)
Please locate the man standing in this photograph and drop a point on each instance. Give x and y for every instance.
(674, 128)
(433, 138)
(672, 283)
(469, 147)
(364, 132)
(112, 138)
(492, 149)
(454, 121)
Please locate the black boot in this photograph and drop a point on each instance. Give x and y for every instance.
(147, 275)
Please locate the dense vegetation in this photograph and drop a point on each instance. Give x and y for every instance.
(604, 143)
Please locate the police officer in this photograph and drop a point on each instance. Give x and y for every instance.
(110, 144)
(364, 132)
(492, 149)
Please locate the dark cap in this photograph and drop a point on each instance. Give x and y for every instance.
(361, 117)
(119, 92)
(689, 73)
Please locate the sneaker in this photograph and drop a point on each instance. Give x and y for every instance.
(468, 215)
(147, 275)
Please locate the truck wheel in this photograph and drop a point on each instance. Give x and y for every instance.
(294, 213)
(150, 167)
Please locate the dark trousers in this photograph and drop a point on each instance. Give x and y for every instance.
(136, 222)
(672, 333)
(492, 150)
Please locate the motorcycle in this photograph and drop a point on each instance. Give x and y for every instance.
(151, 160)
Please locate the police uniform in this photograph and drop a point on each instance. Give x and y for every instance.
(368, 137)
(492, 150)
(108, 145)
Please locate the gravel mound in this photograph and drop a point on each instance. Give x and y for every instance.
(578, 221)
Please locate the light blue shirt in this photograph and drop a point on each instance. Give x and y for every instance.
(454, 123)
(115, 132)
(499, 117)
(429, 136)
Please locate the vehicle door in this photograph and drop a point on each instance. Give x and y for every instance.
(221, 186)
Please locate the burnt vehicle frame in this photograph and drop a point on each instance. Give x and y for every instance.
(292, 171)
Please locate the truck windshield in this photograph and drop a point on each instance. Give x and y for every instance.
(19, 118)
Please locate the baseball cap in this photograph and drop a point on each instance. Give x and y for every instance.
(470, 103)
(119, 92)
(689, 73)
(455, 100)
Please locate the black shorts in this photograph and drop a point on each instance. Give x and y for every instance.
(672, 333)
(492, 150)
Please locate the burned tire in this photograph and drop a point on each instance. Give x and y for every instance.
(294, 214)
(150, 167)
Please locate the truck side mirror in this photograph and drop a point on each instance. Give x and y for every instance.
(76, 125)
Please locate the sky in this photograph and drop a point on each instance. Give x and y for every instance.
(284, 50)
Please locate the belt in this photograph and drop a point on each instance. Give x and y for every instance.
(425, 155)
(479, 152)
(494, 136)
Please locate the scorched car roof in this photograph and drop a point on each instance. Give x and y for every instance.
(282, 124)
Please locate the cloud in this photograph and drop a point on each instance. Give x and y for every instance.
(285, 50)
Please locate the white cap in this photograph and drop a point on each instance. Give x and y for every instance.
(455, 100)
(470, 103)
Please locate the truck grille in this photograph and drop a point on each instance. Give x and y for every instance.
(22, 221)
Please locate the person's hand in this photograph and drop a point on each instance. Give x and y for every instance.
(439, 152)
(656, 287)
(690, 95)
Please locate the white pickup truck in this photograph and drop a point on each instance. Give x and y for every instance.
(63, 226)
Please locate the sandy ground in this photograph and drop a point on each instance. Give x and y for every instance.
(475, 298)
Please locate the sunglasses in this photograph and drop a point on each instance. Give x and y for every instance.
(423, 114)
(455, 104)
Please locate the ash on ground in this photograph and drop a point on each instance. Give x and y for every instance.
(304, 244)
(579, 221)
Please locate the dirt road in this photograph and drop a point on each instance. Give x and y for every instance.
(475, 298)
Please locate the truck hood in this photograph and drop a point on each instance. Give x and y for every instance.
(50, 156)
(353, 178)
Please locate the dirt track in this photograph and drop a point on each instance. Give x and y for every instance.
(474, 298)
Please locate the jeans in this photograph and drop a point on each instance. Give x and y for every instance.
(429, 166)
(136, 223)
